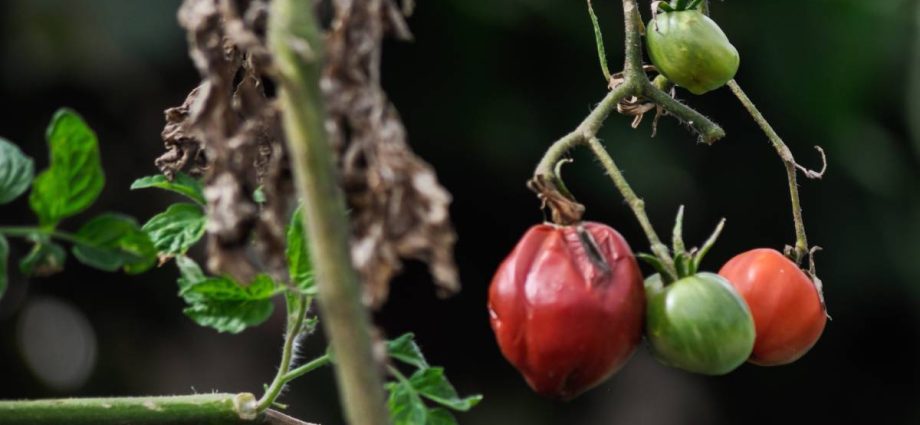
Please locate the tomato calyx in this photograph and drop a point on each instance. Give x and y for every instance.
(686, 262)
(564, 209)
(676, 5)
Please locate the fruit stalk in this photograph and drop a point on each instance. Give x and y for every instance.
(801, 248)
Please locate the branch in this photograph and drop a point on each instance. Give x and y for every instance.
(801, 249)
(296, 42)
(214, 409)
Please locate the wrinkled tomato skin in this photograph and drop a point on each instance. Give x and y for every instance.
(788, 314)
(565, 321)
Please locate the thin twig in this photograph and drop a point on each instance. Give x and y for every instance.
(801, 249)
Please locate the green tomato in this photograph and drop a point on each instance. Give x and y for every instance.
(698, 323)
(691, 50)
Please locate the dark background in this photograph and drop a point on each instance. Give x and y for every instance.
(484, 89)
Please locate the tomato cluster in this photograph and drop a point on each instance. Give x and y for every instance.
(568, 307)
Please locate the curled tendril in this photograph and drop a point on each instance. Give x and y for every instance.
(812, 174)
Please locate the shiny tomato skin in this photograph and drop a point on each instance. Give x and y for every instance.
(699, 324)
(788, 313)
(565, 321)
(691, 50)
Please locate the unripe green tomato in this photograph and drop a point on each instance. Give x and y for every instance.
(691, 50)
(699, 324)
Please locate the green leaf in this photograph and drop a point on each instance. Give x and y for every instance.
(16, 171)
(406, 407)
(440, 416)
(232, 317)
(45, 259)
(112, 241)
(407, 351)
(75, 179)
(433, 385)
(182, 184)
(298, 255)
(221, 303)
(4, 264)
(258, 195)
(176, 229)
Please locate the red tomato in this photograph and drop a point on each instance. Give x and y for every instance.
(567, 307)
(788, 315)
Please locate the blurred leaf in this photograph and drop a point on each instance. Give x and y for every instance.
(433, 385)
(182, 184)
(406, 407)
(112, 241)
(440, 416)
(4, 263)
(298, 255)
(258, 195)
(16, 171)
(407, 351)
(221, 303)
(75, 178)
(45, 259)
(176, 229)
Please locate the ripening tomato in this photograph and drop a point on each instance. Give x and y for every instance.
(691, 50)
(567, 307)
(698, 323)
(787, 309)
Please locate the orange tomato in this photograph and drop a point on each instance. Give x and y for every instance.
(788, 314)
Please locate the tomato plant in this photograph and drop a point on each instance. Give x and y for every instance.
(788, 312)
(698, 323)
(691, 50)
(567, 306)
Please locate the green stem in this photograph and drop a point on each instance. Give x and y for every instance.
(287, 353)
(26, 231)
(637, 205)
(308, 367)
(296, 41)
(801, 238)
(216, 409)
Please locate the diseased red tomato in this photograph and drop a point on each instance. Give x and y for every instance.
(788, 314)
(567, 307)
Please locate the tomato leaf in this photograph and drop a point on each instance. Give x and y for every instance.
(16, 171)
(4, 264)
(433, 385)
(221, 303)
(300, 267)
(406, 407)
(75, 178)
(112, 241)
(182, 184)
(176, 229)
(407, 351)
(45, 259)
(440, 416)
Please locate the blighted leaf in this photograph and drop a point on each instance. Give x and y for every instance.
(406, 407)
(4, 263)
(45, 259)
(298, 255)
(440, 416)
(74, 179)
(112, 241)
(433, 385)
(176, 229)
(182, 184)
(16, 171)
(407, 351)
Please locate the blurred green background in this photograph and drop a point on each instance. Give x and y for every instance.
(485, 87)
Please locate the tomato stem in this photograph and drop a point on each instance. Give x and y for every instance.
(801, 250)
